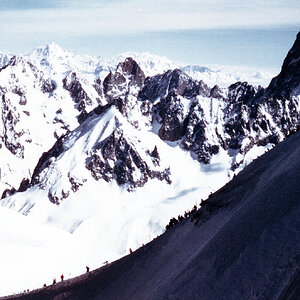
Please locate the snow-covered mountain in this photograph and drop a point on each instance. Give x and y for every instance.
(224, 76)
(36, 109)
(109, 153)
(68, 87)
(151, 64)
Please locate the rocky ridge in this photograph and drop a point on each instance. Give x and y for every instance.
(179, 109)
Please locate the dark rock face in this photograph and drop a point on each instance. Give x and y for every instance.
(10, 118)
(118, 84)
(117, 158)
(98, 87)
(175, 81)
(131, 68)
(8, 192)
(55, 199)
(45, 159)
(286, 84)
(48, 86)
(216, 92)
(240, 112)
(24, 185)
(72, 84)
(121, 89)
(167, 93)
(195, 138)
(171, 112)
(242, 93)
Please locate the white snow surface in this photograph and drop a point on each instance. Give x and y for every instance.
(33, 254)
(224, 76)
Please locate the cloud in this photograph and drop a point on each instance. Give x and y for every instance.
(21, 5)
(90, 17)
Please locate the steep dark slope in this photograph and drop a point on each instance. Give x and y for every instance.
(286, 83)
(243, 243)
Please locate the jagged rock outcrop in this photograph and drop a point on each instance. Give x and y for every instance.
(171, 113)
(172, 81)
(203, 120)
(195, 138)
(48, 86)
(116, 158)
(127, 78)
(171, 95)
(84, 102)
(121, 88)
(11, 133)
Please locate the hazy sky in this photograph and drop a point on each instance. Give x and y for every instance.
(237, 32)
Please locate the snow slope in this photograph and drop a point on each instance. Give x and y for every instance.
(33, 254)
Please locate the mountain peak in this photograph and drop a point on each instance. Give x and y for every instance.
(293, 56)
(48, 50)
(151, 64)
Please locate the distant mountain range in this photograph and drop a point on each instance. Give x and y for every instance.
(109, 152)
